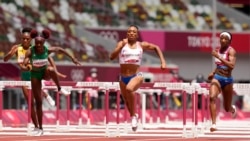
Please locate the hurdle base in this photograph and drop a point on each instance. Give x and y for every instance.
(29, 125)
(166, 119)
(111, 131)
(88, 123)
(1, 125)
(125, 127)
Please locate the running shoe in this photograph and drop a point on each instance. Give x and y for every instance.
(50, 100)
(213, 128)
(35, 129)
(234, 113)
(134, 122)
(37, 132)
(65, 92)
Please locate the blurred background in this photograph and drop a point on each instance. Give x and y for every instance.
(185, 30)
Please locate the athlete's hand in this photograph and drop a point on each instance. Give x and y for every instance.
(163, 66)
(26, 67)
(210, 76)
(124, 42)
(75, 61)
(215, 54)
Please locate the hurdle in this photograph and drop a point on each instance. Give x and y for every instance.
(110, 130)
(183, 88)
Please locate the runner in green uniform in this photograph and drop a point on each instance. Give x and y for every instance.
(38, 55)
(19, 50)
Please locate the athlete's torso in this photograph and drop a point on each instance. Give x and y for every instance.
(221, 68)
(39, 61)
(131, 56)
(21, 53)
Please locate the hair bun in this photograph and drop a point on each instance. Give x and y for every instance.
(33, 33)
(46, 33)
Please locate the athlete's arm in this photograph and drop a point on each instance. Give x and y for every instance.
(61, 50)
(117, 49)
(231, 58)
(150, 46)
(12, 52)
(26, 62)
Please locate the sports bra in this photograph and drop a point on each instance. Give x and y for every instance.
(131, 56)
(223, 55)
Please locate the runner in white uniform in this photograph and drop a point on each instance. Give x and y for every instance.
(130, 52)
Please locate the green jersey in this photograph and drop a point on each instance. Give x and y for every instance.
(39, 63)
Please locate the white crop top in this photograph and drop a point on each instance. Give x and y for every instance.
(131, 56)
(223, 55)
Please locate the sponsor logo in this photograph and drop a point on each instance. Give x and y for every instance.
(113, 35)
(77, 74)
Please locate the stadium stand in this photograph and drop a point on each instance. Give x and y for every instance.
(62, 16)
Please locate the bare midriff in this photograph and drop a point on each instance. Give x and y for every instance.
(129, 69)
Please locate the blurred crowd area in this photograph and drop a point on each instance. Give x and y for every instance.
(62, 16)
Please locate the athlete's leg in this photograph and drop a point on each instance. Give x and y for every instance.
(124, 95)
(36, 90)
(227, 92)
(51, 73)
(53, 64)
(132, 86)
(213, 94)
(48, 98)
(33, 112)
(61, 75)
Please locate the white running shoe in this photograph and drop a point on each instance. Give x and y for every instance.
(65, 92)
(134, 122)
(37, 132)
(35, 129)
(234, 114)
(50, 100)
(213, 128)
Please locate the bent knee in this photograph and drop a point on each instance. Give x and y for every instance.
(213, 98)
(51, 69)
(129, 89)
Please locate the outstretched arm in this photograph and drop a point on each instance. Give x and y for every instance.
(150, 46)
(61, 50)
(117, 49)
(12, 52)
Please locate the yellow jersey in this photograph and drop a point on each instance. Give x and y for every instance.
(21, 53)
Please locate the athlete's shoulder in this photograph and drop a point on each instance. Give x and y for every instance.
(231, 49)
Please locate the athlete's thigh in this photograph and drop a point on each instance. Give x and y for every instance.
(36, 88)
(215, 88)
(135, 83)
(47, 73)
(123, 89)
(227, 92)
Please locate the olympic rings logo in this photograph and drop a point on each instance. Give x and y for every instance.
(113, 35)
(77, 74)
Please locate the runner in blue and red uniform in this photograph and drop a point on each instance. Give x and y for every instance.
(221, 78)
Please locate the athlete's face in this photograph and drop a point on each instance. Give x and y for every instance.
(39, 43)
(224, 41)
(132, 33)
(26, 39)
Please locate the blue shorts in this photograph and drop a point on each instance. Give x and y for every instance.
(126, 79)
(223, 80)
